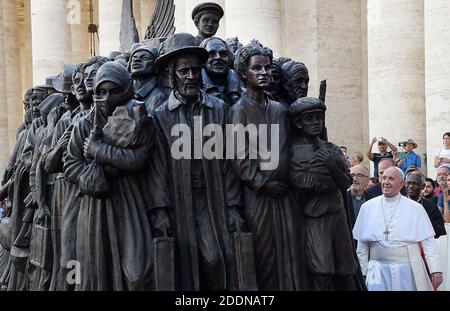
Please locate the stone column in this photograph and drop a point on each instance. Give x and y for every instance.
(80, 35)
(12, 69)
(110, 13)
(255, 19)
(4, 150)
(365, 100)
(190, 25)
(437, 73)
(26, 59)
(51, 38)
(396, 73)
(328, 38)
(147, 9)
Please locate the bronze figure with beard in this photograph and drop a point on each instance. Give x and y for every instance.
(191, 196)
(295, 80)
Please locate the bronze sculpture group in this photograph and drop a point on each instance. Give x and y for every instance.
(93, 179)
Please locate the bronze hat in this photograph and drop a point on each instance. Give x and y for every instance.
(63, 82)
(49, 83)
(208, 7)
(50, 102)
(306, 104)
(136, 47)
(177, 45)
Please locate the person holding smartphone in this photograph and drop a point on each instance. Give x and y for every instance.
(442, 157)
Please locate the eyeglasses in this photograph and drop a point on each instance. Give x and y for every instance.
(358, 175)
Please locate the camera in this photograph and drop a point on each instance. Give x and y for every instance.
(402, 144)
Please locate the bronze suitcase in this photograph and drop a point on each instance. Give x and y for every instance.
(245, 261)
(164, 263)
(40, 247)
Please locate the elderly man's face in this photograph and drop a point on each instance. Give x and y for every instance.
(391, 182)
(360, 178)
(442, 174)
(297, 82)
(142, 63)
(219, 61)
(188, 76)
(208, 25)
(414, 185)
(258, 74)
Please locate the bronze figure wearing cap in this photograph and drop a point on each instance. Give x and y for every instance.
(142, 69)
(320, 176)
(206, 17)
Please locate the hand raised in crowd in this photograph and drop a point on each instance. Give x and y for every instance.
(374, 140)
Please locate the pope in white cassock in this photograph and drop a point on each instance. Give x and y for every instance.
(391, 229)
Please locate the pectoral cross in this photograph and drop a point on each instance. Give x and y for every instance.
(386, 233)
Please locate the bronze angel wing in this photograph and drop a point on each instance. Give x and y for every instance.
(163, 20)
(128, 31)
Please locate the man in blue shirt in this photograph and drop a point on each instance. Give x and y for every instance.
(410, 159)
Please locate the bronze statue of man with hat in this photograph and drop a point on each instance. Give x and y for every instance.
(190, 189)
(206, 17)
(319, 173)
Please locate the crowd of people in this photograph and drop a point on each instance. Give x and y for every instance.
(94, 197)
(408, 161)
(431, 193)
